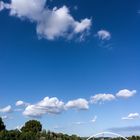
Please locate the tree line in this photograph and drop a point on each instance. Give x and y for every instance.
(32, 130)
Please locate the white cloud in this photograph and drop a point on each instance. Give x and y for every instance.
(99, 98)
(4, 117)
(80, 104)
(60, 23)
(21, 103)
(53, 106)
(79, 123)
(27, 8)
(4, 6)
(125, 93)
(56, 127)
(6, 109)
(94, 119)
(81, 26)
(50, 23)
(47, 105)
(18, 109)
(104, 35)
(1, 5)
(86, 122)
(131, 116)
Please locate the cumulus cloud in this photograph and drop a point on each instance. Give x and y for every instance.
(104, 35)
(47, 105)
(6, 109)
(131, 116)
(61, 24)
(50, 23)
(100, 98)
(79, 104)
(81, 26)
(27, 8)
(53, 106)
(21, 103)
(125, 93)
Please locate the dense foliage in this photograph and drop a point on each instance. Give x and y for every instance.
(32, 130)
(2, 126)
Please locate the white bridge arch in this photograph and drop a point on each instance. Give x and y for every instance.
(110, 133)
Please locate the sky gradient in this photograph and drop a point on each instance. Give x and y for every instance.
(73, 65)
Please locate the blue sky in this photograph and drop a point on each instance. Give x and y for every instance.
(74, 65)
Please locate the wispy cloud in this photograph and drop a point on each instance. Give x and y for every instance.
(104, 35)
(4, 117)
(125, 129)
(138, 11)
(131, 116)
(94, 119)
(21, 103)
(1, 5)
(79, 123)
(102, 97)
(6, 109)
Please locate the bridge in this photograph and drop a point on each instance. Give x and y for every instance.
(106, 133)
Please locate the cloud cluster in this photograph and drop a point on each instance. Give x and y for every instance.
(102, 97)
(47, 105)
(131, 116)
(50, 23)
(53, 106)
(79, 123)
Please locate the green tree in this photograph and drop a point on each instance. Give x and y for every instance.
(28, 136)
(2, 126)
(32, 126)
